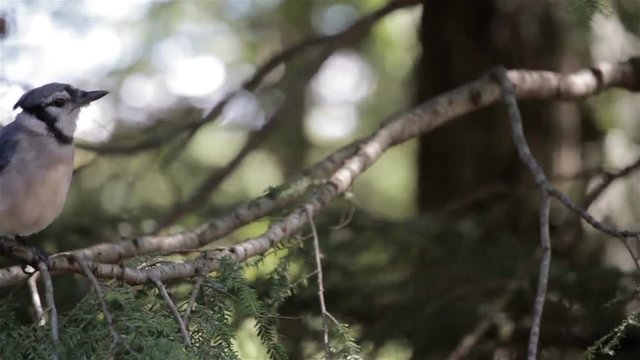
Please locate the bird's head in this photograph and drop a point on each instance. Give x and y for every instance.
(57, 105)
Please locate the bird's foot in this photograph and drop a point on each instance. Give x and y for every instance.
(39, 255)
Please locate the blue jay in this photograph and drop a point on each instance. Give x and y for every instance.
(36, 158)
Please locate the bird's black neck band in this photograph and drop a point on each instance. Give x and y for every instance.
(50, 121)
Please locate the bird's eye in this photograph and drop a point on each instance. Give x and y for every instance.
(58, 102)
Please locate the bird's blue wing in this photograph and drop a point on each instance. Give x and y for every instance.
(8, 145)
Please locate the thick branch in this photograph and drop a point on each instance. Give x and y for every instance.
(420, 120)
(243, 214)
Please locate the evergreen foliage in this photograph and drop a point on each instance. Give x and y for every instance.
(586, 10)
(611, 342)
(147, 329)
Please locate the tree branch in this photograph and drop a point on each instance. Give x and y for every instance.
(345, 166)
(192, 298)
(607, 180)
(527, 158)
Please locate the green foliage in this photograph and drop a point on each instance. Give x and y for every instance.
(212, 330)
(146, 328)
(230, 276)
(608, 344)
(344, 345)
(84, 334)
(629, 13)
(13, 335)
(611, 342)
(586, 10)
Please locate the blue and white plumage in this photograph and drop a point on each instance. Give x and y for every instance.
(36, 157)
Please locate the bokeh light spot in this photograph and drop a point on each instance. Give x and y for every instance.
(197, 76)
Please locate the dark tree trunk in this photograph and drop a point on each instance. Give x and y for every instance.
(460, 41)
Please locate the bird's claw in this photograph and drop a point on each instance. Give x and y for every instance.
(40, 257)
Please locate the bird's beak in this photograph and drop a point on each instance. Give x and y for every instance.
(86, 97)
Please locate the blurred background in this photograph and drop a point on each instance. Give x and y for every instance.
(444, 234)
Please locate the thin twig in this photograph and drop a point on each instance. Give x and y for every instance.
(332, 318)
(105, 310)
(51, 304)
(174, 310)
(192, 298)
(509, 98)
(543, 276)
(345, 219)
(35, 299)
(323, 308)
(468, 342)
(596, 224)
(607, 180)
(633, 256)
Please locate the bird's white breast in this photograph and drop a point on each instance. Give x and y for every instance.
(33, 189)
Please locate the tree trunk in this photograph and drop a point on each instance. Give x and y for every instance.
(460, 41)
